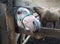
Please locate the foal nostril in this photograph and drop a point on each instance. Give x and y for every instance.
(20, 19)
(33, 22)
(18, 12)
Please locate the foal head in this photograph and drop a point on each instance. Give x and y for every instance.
(26, 19)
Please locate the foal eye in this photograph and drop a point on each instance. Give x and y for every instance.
(18, 12)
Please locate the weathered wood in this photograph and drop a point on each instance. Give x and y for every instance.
(3, 1)
(49, 32)
(10, 26)
(10, 21)
(3, 28)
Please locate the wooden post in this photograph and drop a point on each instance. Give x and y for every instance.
(3, 28)
(44, 32)
(10, 24)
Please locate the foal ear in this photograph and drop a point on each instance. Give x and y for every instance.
(38, 10)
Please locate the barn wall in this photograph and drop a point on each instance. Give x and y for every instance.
(43, 3)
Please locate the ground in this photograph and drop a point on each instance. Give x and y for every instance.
(46, 41)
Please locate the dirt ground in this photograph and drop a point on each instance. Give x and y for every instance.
(47, 40)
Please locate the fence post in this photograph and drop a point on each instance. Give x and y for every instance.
(10, 22)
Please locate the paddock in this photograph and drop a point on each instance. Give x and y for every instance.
(7, 26)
